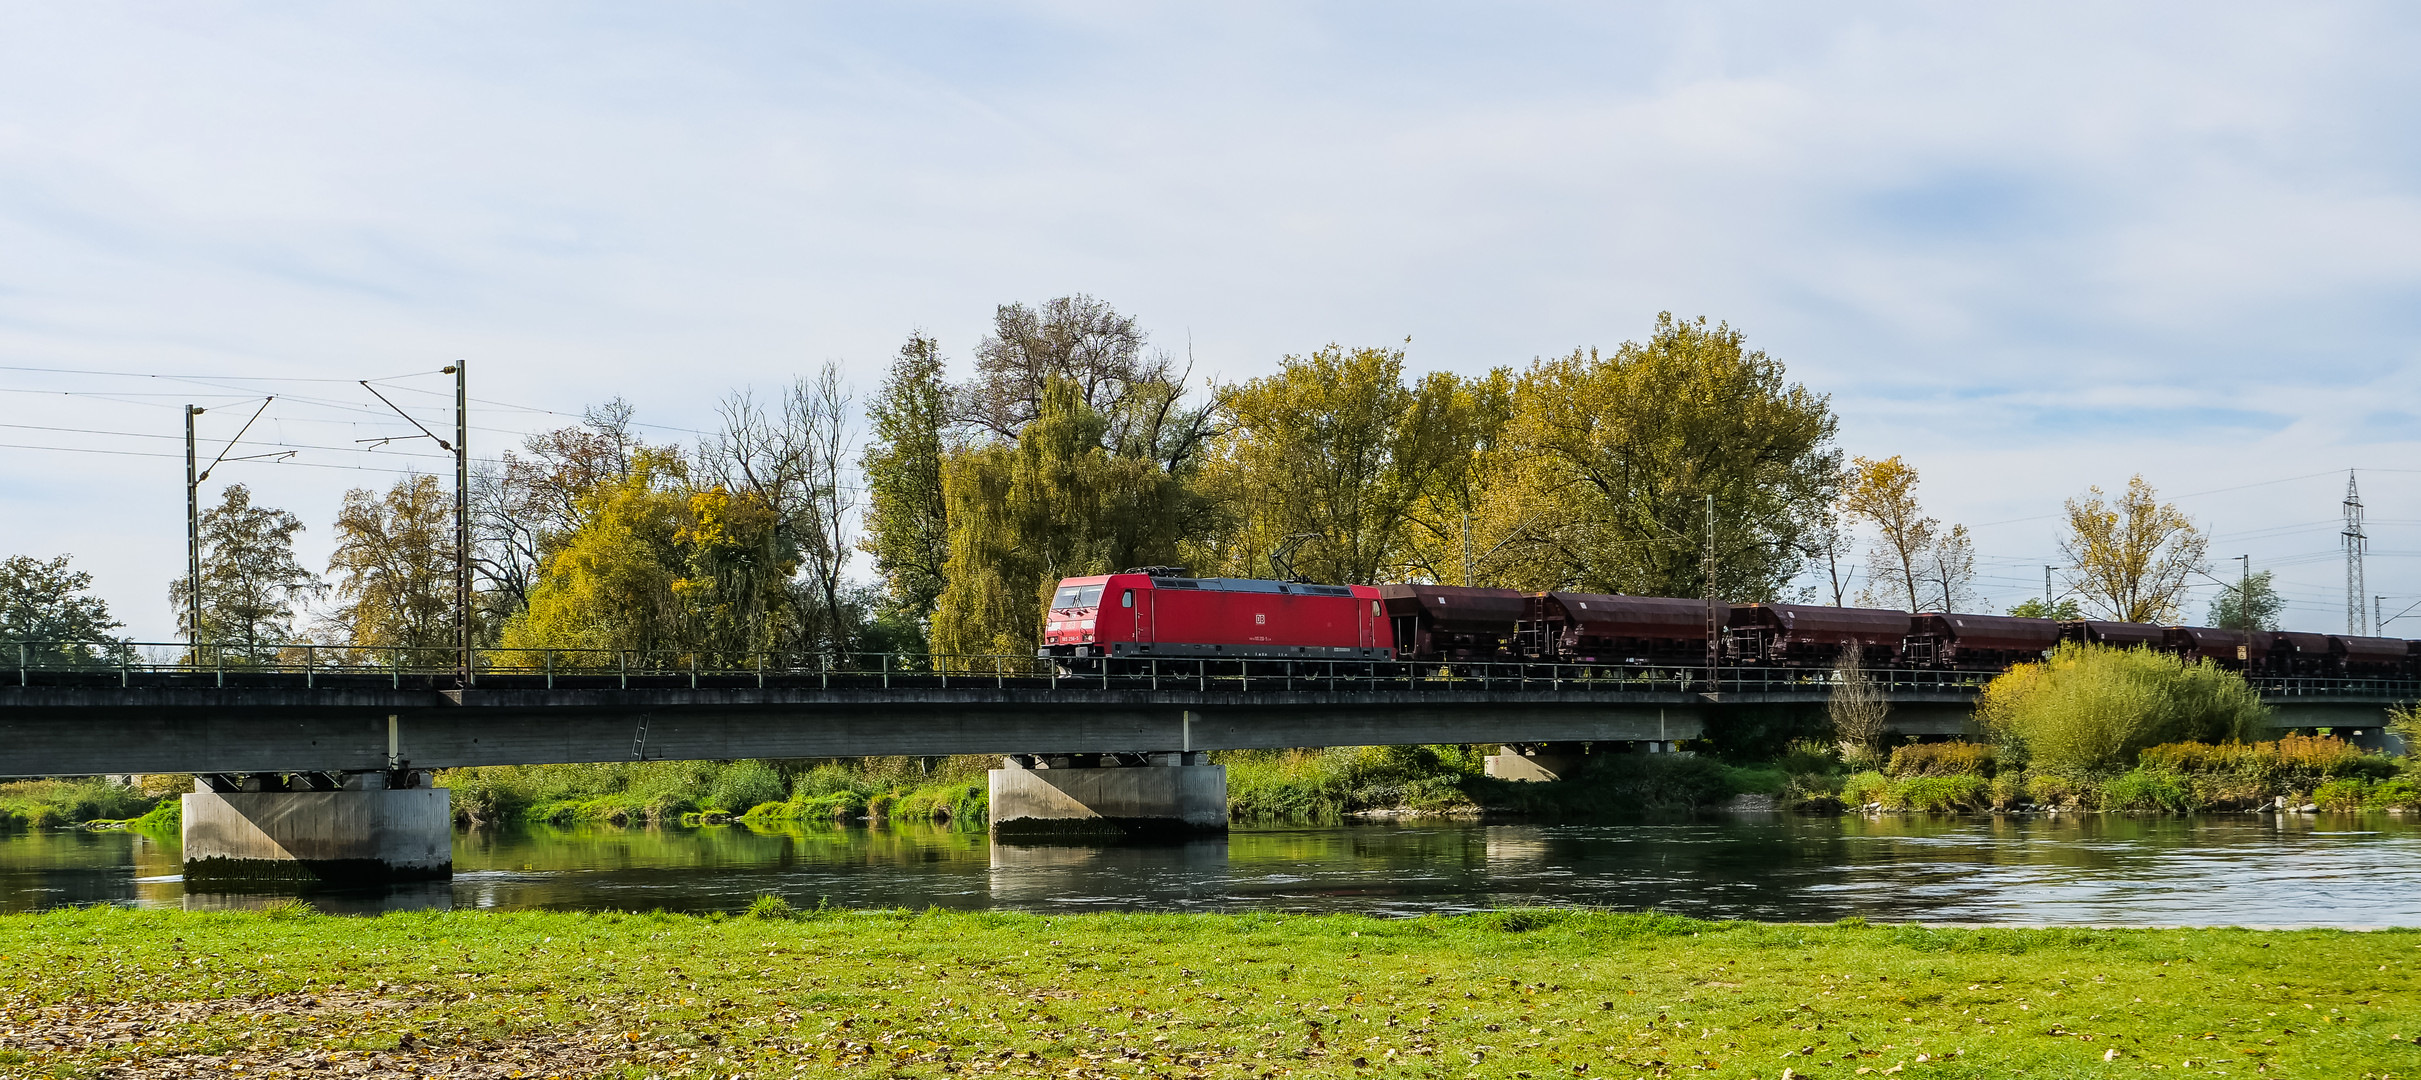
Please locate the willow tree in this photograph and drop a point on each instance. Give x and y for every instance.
(1336, 453)
(1610, 462)
(1055, 503)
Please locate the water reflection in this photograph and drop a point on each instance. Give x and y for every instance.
(2238, 869)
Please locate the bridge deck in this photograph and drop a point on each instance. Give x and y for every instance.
(312, 717)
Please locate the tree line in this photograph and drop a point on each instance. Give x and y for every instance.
(1678, 465)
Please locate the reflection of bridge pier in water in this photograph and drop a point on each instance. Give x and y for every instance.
(1039, 873)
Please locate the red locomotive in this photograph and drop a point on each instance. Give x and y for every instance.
(1161, 611)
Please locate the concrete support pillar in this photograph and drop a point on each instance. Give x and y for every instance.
(1108, 795)
(358, 834)
(1537, 761)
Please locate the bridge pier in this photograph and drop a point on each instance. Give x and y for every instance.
(1108, 795)
(337, 829)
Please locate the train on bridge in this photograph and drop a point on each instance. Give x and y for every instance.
(1156, 612)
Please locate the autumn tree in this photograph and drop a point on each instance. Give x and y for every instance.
(49, 616)
(251, 581)
(1611, 461)
(608, 583)
(736, 562)
(1883, 495)
(2130, 557)
(1055, 503)
(1831, 548)
(393, 567)
(525, 504)
(1337, 449)
(907, 520)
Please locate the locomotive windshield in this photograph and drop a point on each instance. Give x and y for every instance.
(1071, 596)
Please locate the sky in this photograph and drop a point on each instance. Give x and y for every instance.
(2030, 248)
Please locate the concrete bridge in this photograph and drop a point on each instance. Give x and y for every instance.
(262, 733)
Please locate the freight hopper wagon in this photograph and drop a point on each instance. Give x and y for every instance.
(1129, 618)
(1594, 628)
(1452, 622)
(1807, 635)
(1976, 642)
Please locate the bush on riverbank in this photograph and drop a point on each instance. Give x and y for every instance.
(2092, 708)
(1324, 785)
(46, 804)
(2174, 778)
(656, 792)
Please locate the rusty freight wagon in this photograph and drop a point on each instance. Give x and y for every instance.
(2370, 657)
(1976, 642)
(1451, 622)
(2231, 649)
(1806, 635)
(2117, 635)
(1596, 628)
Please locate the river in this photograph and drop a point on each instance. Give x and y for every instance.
(2234, 869)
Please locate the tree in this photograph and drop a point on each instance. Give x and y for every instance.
(794, 463)
(524, 505)
(48, 615)
(734, 592)
(907, 519)
(250, 579)
(608, 585)
(1053, 504)
(1334, 447)
(1883, 494)
(1857, 709)
(1100, 353)
(2064, 611)
(394, 566)
(1830, 543)
(1949, 571)
(2256, 595)
(1448, 535)
(2130, 557)
(1613, 458)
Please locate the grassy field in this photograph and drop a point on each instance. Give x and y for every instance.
(103, 992)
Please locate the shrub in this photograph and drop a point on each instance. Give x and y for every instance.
(1810, 756)
(2400, 792)
(2092, 707)
(2056, 789)
(2158, 790)
(742, 786)
(1811, 792)
(1941, 759)
(1938, 794)
(2317, 755)
(2008, 790)
(2342, 795)
(1864, 789)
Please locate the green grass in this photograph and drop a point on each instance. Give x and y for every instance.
(1536, 992)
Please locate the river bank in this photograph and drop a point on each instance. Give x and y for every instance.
(1571, 993)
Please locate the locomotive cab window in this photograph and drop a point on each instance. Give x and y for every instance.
(1074, 596)
(1126, 598)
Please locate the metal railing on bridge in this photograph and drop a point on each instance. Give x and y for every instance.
(335, 666)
